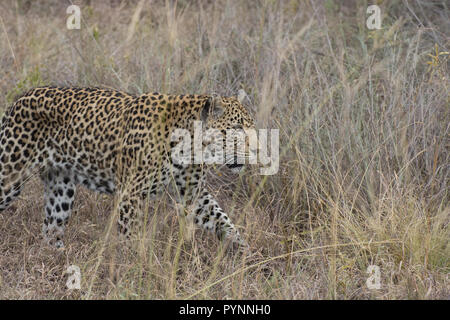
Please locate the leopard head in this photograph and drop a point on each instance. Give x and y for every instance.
(232, 121)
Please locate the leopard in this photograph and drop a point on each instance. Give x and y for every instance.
(115, 143)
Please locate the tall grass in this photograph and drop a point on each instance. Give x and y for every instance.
(364, 148)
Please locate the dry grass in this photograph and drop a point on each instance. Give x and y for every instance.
(364, 142)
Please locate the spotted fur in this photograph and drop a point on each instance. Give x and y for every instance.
(109, 140)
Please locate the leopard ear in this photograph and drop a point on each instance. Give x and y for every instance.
(213, 108)
(241, 95)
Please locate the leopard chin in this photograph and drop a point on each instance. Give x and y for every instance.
(236, 167)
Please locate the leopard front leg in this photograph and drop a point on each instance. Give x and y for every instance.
(207, 214)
